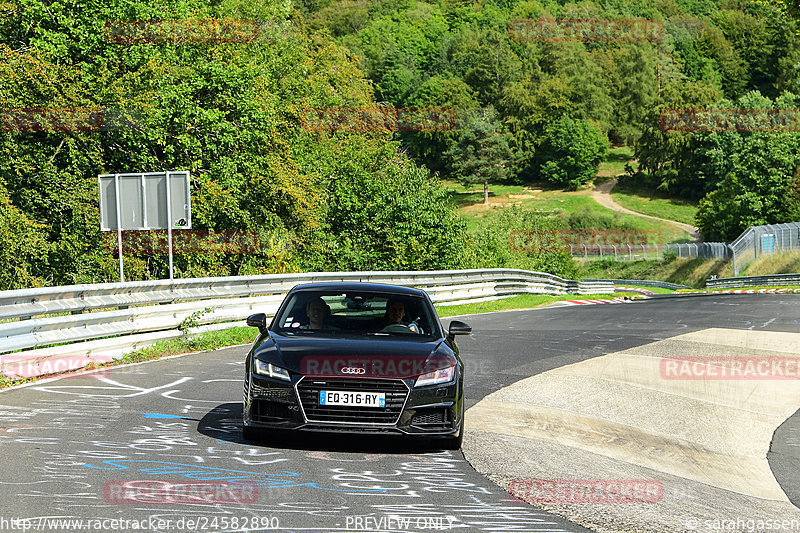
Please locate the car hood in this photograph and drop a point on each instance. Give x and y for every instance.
(356, 357)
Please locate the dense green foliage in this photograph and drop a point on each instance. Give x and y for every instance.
(231, 114)
(744, 178)
(462, 55)
(760, 177)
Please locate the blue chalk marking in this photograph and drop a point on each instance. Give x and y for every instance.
(205, 473)
(159, 415)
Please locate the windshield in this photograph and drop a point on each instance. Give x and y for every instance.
(361, 313)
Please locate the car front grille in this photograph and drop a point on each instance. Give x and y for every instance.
(396, 391)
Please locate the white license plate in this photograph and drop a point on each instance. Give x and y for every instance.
(358, 399)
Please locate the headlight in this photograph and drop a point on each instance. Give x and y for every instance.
(268, 369)
(443, 375)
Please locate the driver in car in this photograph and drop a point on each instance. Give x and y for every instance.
(317, 311)
(395, 311)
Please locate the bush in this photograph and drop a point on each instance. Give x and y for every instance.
(504, 241)
(586, 219)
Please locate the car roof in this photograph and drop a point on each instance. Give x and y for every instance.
(359, 287)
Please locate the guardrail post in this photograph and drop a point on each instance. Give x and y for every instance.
(601, 251)
(656, 252)
(644, 252)
(630, 253)
(585, 253)
(615, 252)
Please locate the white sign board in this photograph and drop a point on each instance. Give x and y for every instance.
(147, 201)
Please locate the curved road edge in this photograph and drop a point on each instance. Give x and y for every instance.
(708, 443)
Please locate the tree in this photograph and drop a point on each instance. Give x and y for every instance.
(666, 159)
(529, 108)
(481, 154)
(232, 114)
(762, 185)
(487, 63)
(634, 92)
(571, 153)
(452, 95)
(382, 211)
(761, 189)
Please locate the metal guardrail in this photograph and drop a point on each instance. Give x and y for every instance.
(644, 283)
(110, 319)
(754, 281)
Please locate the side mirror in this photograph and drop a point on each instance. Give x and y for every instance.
(459, 328)
(258, 320)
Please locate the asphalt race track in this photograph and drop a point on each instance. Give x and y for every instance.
(106, 450)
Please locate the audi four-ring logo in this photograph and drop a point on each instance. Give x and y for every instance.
(353, 370)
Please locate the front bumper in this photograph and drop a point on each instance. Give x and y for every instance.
(430, 411)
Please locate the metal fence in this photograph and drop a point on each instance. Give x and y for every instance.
(755, 241)
(635, 252)
(101, 320)
(764, 240)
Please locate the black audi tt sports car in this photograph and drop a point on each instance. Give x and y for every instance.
(356, 357)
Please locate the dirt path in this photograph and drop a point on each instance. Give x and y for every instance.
(602, 195)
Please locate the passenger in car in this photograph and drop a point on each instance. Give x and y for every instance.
(317, 311)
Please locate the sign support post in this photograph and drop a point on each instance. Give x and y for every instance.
(169, 226)
(119, 228)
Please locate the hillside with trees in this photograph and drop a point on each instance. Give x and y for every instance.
(560, 102)
(232, 113)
